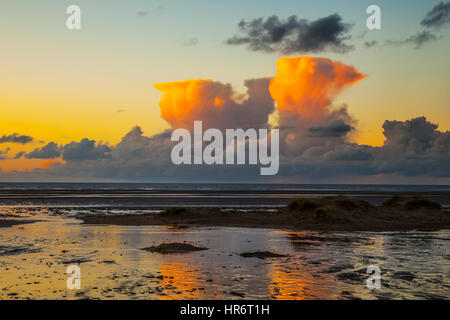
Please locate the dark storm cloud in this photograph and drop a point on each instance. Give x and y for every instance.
(418, 40)
(50, 151)
(336, 128)
(294, 35)
(438, 16)
(16, 138)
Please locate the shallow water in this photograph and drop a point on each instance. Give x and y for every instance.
(34, 259)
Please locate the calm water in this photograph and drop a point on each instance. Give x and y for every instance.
(34, 258)
(211, 195)
(223, 186)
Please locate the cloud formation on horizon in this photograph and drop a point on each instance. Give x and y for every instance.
(313, 134)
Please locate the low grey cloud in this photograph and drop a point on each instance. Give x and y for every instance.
(294, 35)
(50, 151)
(438, 16)
(16, 138)
(336, 128)
(4, 154)
(85, 150)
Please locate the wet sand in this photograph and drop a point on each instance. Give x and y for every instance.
(237, 263)
(216, 253)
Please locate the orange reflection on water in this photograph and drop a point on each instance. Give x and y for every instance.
(290, 280)
(181, 280)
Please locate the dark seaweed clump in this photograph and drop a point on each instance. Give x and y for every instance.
(411, 203)
(174, 247)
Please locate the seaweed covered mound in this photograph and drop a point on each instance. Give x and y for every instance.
(336, 203)
(329, 209)
(322, 213)
(346, 213)
(411, 203)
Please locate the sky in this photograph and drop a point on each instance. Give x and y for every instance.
(62, 86)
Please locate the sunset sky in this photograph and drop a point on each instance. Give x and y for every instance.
(62, 86)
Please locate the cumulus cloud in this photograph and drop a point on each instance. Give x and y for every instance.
(16, 138)
(304, 89)
(50, 151)
(215, 103)
(438, 16)
(415, 136)
(412, 148)
(294, 35)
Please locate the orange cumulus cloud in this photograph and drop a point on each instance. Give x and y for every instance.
(184, 99)
(215, 103)
(304, 87)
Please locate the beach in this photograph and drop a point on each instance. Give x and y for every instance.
(146, 250)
